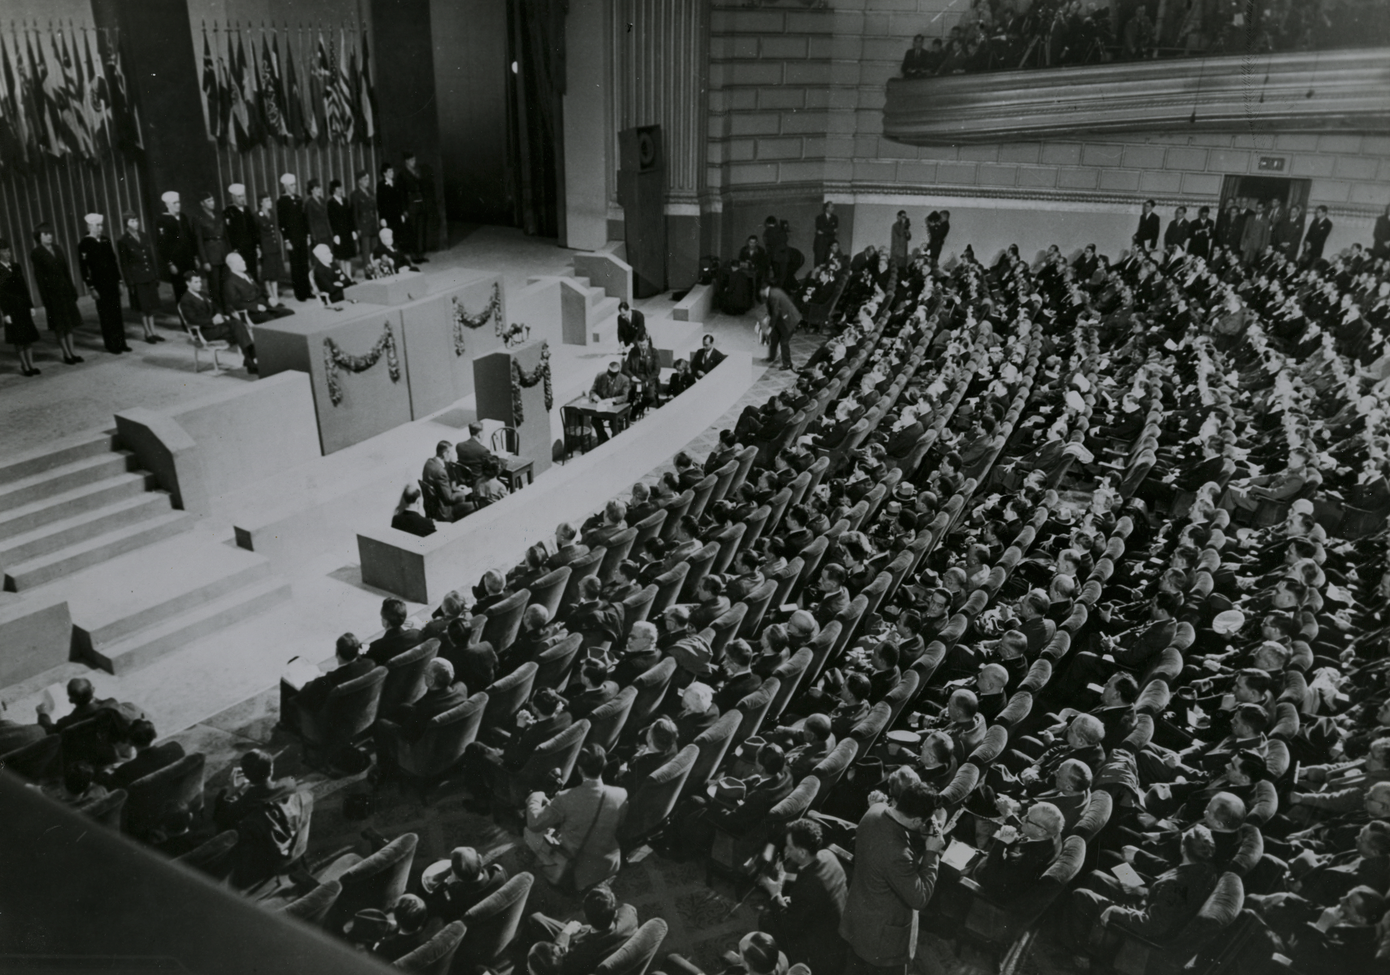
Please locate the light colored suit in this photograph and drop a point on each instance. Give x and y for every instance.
(890, 886)
(593, 810)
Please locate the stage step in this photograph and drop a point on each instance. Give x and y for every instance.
(82, 525)
(89, 497)
(150, 643)
(91, 551)
(603, 310)
(605, 332)
(44, 484)
(38, 461)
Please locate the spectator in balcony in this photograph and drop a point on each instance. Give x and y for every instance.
(936, 234)
(1316, 237)
(1288, 232)
(827, 223)
(1146, 236)
(1200, 234)
(917, 62)
(1179, 228)
(902, 234)
(1254, 236)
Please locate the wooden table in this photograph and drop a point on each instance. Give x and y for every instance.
(514, 468)
(602, 410)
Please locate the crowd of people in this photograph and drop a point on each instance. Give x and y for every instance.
(1057, 585)
(1000, 35)
(226, 264)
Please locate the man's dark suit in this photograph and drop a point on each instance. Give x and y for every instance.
(471, 454)
(690, 725)
(757, 803)
(831, 606)
(702, 360)
(294, 228)
(572, 552)
(1177, 232)
(1314, 240)
(413, 718)
(101, 270)
(808, 928)
(900, 444)
(598, 617)
(148, 760)
(392, 643)
(1148, 230)
(633, 329)
(197, 312)
(1010, 869)
(537, 733)
(587, 701)
(314, 694)
(735, 689)
(783, 318)
(14, 736)
(175, 244)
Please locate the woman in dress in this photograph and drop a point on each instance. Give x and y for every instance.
(140, 269)
(316, 212)
(56, 290)
(272, 247)
(17, 309)
(340, 220)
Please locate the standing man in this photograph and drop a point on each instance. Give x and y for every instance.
(782, 320)
(1229, 225)
(1317, 236)
(294, 229)
(243, 233)
(390, 201)
(1178, 230)
(1200, 234)
(175, 242)
(896, 851)
(1254, 236)
(101, 270)
(586, 819)
(1289, 232)
(902, 234)
(1146, 236)
(210, 232)
(365, 215)
(827, 232)
(632, 324)
(936, 236)
(416, 214)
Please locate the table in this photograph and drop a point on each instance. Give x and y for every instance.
(602, 409)
(514, 468)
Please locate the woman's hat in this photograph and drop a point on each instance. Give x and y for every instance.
(368, 925)
(1228, 622)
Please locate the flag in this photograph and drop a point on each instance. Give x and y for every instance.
(211, 96)
(294, 98)
(321, 81)
(366, 97)
(124, 113)
(13, 151)
(239, 135)
(344, 87)
(225, 98)
(272, 91)
(250, 92)
(27, 121)
(75, 91)
(98, 98)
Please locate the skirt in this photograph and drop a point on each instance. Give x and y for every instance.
(144, 297)
(345, 251)
(273, 265)
(63, 317)
(20, 330)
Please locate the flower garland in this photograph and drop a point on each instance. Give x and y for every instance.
(521, 380)
(464, 320)
(335, 358)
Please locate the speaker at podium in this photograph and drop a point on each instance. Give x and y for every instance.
(642, 193)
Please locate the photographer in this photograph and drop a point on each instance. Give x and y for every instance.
(808, 899)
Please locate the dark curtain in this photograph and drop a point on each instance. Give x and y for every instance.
(535, 126)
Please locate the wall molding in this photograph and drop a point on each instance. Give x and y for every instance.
(1319, 91)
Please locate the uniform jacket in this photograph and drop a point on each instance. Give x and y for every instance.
(364, 213)
(14, 291)
(891, 884)
(138, 262)
(243, 230)
(294, 225)
(593, 810)
(210, 233)
(176, 242)
(316, 214)
(97, 259)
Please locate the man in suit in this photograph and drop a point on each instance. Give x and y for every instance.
(568, 549)
(240, 293)
(398, 637)
(1146, 237)
(148, 758)
(198, 311)
(612, 523)
(705, 358)
(697, 712)
(473, 453)
(595, 689)
(294, 230)
(827, 221)
(349, 664)
(101, 270)
(738, 678)
(1316, 237)
(1229, 224)
(85, 704)
(896, 852)
(1201, 234)
(782, 320)
(808, 904)
(436, 477)
(769, 785)
(467, 883)
(243, 234)
(1178, 229)
(442, 693)
(609, 385)
(834, 597)
(608, 926)
(1011, 869)
(210, 240)
(586, 820)
(1254, 236)
(712, 603)
(599, 620)
(365, 216)
(1288, 232)
(390, 200)
(14, 735)
(632, 324)
(416, 188)
(174, 239)
(753, 257)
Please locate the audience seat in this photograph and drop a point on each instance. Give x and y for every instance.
(651, 689)
(617, 549)
(548, 590)
(376, 881)
(213, 857)
(728, 543)
(107, 810)
(990, 749)
(724, 479)
(636, 954)
(700, 496)
(786, 578)
(492, 925)
(649, 528)
(655, 797)
(675, 511)
(870, 726)
(505, 697)
(821, 648)
(997, 925)
(832, 767)
(789, 673)
(349, 713)
(754, 709)
(1140, 956)
(313, 907)
(899, 697)
(960, 786)
(558, 754)
(757, 602)
(504, 620)
(776, 508)
(606, 721)
(435, 956)
(586, 565)
(731, 851)
(714, 744)
(745, 459)
(699, 564)
(554, 665)
(440, 748)
(637, 608)
(179, 783)
(37, 761)
(754, 525)
(405, 676)
(811, 557)
(668, 587)
(724, 629)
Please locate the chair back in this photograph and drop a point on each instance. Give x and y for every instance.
(548, 590)
(431, 503)
(675, 511)
(635, 955)
(651, 691)
(577, 431)
(1265, 804)
(897, 571)
(745, 459)
(1037, 677)
(700, 495)
(1165, 667)
(753, 526)
(964, 782)
(649, 528)
(553, 666)
(869, 727)
(699, 564)
(586, 565)
(440, 747)
(314, 906)
(797, 804)
(785, 578)
(902, 693)
(376, 882)
(1095, 816)
(506, 440)
(180, 782)
(351, 709)
(849, 618)
(492, 924)
(656, 796)
(637, 608)
(724, 477)
(36, 761)
(713, 743)
(832, 767)
(556, 754)
(212, 857)
(668, 587)
(811, 557)
(507, 694)
(817, 471)
(757, 602)
(723, 629)
(777, 506)
(107, 810)
(435, 956)
(799, 486)
(788, 673)
(754, 709)
(1076, 619)
(606, 722)
(405, 676)
(821, 647)
(874, 592)
(504, 620)
(988, 750)
(728, 544)
(1219, 911)
(617, 549)
(856, 515)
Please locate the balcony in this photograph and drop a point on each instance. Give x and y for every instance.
(1346, 91)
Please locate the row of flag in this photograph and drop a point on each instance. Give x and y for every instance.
(63, 94)
(252, 97)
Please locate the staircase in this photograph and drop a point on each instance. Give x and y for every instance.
(66, 509)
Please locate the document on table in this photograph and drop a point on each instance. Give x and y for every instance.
(959, 855)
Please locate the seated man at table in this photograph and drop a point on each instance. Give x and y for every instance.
(609, 385)
(452, 500)
(472, 452)
(705, 358)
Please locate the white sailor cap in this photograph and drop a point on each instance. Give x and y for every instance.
(94, 218)
(237, 189)
(170, 197)
(287, 179)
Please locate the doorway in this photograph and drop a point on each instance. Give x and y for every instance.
(1246, 190)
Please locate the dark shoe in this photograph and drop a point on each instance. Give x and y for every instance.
(28, 372)
(422, 260)
(78, 358)
(252, 368)
(152, 339)
(71, 360)
(158, 338)
(126, 348)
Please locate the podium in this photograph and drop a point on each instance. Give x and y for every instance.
(510, 386)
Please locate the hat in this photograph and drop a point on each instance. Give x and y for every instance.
(1228, 622)
(236, 189)
(893, 508)
(287, 179)
(729, 789)
(614, 366)
(905, 491)
(759, 951)
(368, 925)
(466, 862)
(170, 197)
(92, 218)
